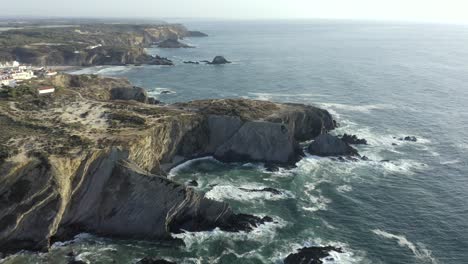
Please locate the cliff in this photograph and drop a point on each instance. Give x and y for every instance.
(88, 44)
(92, 158)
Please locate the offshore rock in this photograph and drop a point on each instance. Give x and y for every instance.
(219, 60)
(311, 255)
(327, 145)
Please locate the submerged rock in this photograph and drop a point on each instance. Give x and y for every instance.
(244, 222)
(148, 260)
(353, 140)
(311, 255)
(409, 138)
(327, 145)
(191, 62)
(267, 189)
(192, 183)
(173, 44)
(157, 60)
(219, 60)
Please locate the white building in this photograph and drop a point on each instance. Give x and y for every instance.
(22, 74)
(7, 80)
(46, 90)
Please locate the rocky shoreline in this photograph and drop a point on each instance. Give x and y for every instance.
(92, 44)
(93, 158)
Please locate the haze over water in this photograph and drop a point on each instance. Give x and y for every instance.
(381, 82)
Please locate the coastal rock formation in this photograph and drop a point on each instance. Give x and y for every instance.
(92, 158)
(260, 141)
(88, 44)
(311, 255)
(172, 44)
(353, 140)
(328, 145)
(219, 60)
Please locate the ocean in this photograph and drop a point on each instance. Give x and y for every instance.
(381, 81)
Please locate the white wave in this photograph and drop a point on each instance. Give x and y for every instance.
(337, 171)
(174, 171)
(78, 238)
(419, 250)
(450, 162)
(344, 188)
(263, 233)
(318, 202)
(357, 108)
(365, 108)
(403, 166)
(162, 90)
(229, 192)
(270, 96)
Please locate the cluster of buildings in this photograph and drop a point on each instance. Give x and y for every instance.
(12, 73)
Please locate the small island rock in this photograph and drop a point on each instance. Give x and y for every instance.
(219, 60)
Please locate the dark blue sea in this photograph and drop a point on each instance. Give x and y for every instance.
(381, 81)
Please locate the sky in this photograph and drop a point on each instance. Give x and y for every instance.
(450, 11)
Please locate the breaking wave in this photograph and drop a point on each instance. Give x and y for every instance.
(357, 108)
(263, 233)
(241, 193)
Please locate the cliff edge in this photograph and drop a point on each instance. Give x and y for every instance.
(92, 158)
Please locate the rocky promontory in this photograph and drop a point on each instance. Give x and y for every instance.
(88, 44)
(93, 156)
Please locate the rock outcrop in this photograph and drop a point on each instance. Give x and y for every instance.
(92, 158)
(327, 145)
(311, 255)
(353, 140)
(173, 44)
(219, 60)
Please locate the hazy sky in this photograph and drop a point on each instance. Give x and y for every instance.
(412, 10)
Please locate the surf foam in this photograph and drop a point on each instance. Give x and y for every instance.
(419, 249)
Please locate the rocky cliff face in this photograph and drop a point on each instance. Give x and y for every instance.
(88, 160)
(85, 45)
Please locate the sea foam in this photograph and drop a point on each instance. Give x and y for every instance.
(419, 249)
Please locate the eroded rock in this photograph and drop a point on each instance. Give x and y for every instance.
(310, 255)
(353, 140)
(219, 60)
(327, 145)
